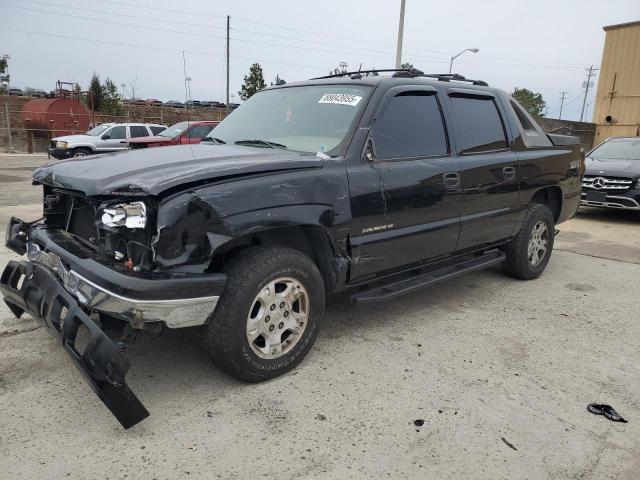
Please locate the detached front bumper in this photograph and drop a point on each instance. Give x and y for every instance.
(58, 286)
(59, 153)
(34, 289)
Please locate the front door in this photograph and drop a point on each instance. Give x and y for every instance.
(405, 195)
(490, 170)
(113, 139)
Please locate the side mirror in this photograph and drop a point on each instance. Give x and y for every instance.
(106, 136)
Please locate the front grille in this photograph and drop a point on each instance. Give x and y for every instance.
(606, 184)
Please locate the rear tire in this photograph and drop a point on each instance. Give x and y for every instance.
(268, 316)
(529, 252)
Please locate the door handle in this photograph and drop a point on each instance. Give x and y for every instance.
(451, 179)
(509, 173)
(123, 141)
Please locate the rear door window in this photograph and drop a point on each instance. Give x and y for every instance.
(479, 125)
(138, 131)
(411, 126)
(156, 130)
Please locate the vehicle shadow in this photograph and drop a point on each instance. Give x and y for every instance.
(626, 217)
(177, 360)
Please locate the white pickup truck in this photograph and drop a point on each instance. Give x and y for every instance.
(106, 137)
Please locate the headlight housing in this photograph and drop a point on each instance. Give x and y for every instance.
(61, 144)
(129, 215)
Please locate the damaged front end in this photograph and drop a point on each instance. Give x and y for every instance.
(92, 260)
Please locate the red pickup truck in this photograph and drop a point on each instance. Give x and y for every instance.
(182, 133)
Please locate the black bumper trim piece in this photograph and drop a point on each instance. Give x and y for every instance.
(34, 289)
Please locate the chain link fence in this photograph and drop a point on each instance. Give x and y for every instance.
(25, 131)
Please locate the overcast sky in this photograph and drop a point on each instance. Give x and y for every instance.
(543, 45)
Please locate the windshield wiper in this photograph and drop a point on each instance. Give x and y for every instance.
(260, 142)
(214, 139)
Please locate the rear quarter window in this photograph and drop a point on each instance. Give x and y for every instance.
(532, 134)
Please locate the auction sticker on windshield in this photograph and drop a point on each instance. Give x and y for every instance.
(340, 99)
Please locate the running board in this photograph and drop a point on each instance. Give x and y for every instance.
(407, 285)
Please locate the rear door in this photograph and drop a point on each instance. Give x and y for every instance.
(405, 197)
(113, 139)
(490, 170)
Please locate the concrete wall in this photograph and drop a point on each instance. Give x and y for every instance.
(23, 142)
(583, 130)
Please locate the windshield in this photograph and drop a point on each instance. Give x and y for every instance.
(621, 149)
(174, 130)
(95, 131)
(307, 119)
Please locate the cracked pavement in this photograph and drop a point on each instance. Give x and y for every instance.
(426, 386)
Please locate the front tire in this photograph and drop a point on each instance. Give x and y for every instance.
(268, 316)
(80, 152)
(529, 252)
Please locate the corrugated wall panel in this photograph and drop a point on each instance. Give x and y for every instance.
(620, 60)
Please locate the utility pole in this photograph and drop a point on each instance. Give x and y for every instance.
(591, 71)
(562, 104)
(400, 35)
(227, 102)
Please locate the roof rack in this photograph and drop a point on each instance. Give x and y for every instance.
(407, 73)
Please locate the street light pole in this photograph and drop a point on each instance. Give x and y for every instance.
(473, 50)
(400, 35)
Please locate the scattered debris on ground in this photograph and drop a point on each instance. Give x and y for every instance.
(607, 410)
(509, 444)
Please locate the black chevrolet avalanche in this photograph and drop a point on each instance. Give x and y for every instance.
(370, 185)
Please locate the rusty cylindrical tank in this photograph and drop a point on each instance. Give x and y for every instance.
(53, 117)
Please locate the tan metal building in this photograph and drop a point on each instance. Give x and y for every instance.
(617, 103)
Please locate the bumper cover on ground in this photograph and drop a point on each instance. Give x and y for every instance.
(34, 289)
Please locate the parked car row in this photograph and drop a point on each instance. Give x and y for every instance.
(129, 101)
(113, 137)
(17, 92)
(198, 103)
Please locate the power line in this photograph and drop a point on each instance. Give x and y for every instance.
(141, 17)
(377, 54)
(113, 22)
(148, 47)
(153, 7)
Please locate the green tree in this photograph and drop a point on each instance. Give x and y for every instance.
(253, 83)
(96, 90)
(532, 102)
(110, 97)
(4, 76)
(406, 65)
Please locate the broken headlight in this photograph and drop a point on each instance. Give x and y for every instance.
(130, 215)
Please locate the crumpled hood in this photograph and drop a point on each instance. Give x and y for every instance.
(612, 167)
(152, 171)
